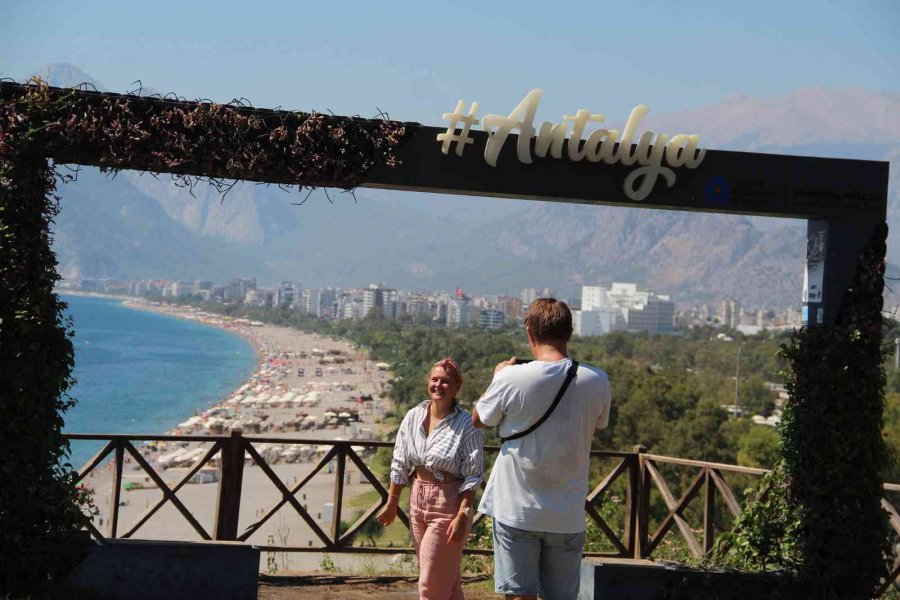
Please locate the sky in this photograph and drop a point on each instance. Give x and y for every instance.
(414, 60)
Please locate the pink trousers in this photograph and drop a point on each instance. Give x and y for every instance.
(431, 508)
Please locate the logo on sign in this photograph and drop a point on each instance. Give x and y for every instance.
(656, 154)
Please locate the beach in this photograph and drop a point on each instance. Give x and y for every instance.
(305, 386)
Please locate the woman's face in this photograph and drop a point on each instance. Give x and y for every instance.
(442, 385)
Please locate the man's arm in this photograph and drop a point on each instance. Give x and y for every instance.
(476, 418)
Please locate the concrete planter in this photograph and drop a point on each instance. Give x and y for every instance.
(151, 570)
(649, 580)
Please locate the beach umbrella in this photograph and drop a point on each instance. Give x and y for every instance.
(329, 415)
(344, 415)
(310, 419)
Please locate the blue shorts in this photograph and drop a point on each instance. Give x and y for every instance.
(534, 562)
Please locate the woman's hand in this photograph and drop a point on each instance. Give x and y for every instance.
(458, 529)
(387, 514)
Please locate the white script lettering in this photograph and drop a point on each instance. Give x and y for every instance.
(608, 146)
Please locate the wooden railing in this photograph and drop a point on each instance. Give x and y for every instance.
(637, 474)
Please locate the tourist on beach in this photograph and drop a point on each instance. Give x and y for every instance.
(442, 451)
(546, 411)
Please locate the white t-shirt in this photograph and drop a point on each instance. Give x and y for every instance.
(539, 482)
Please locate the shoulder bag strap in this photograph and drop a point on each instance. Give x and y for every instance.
(570, 375)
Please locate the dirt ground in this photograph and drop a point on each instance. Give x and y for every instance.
(299, 586)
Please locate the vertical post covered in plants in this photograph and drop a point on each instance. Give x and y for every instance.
(832, 445)
(38, 500)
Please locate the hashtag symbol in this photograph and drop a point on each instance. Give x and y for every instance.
(462, 138)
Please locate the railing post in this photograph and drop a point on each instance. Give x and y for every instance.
(638, 503)
(709, 513)
(338, 493)
(231, 474)
(113, 525)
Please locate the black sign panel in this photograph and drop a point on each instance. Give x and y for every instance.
(730, 182)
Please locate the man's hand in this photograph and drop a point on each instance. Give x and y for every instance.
(506, 363)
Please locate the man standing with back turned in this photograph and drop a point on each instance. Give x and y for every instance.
(547, 411)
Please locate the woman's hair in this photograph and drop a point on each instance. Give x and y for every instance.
(450, 367)
(549, 319)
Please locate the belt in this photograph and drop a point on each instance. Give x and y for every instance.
(427, 476)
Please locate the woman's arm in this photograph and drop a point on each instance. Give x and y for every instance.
(387, 514)
(462, 522)
(472, 450)
(399, 475)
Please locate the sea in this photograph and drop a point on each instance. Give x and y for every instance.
(145, 372)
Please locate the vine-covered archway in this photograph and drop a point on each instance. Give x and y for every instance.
(832, 448)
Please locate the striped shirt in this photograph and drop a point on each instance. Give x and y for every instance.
(454, 448)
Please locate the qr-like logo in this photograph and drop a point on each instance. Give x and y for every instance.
(815, 246)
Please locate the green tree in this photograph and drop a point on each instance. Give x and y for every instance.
(755, 397)
(759, 447)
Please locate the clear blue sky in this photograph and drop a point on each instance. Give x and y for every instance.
(415, 59)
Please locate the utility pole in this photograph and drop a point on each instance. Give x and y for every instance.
(737, 381)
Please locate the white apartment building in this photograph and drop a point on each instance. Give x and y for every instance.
(622, 307)
(599, 321)
(458, 313)
(372, 297)
(730, 313)
(594, 297)
(180, 289)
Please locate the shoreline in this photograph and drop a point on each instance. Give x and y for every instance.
(304, 386)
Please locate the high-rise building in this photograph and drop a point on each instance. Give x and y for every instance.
(491, 319)
(730, 313)
(263, 297)
(372, 297)
(326, 306)
(594, 297)
(390, 307)
(180, 289)
(441, 312)
(287, 293)
(656, 315)
(458, 313)
(512, 306)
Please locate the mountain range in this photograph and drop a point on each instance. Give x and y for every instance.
(136, 226)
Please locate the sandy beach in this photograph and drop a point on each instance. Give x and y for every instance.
(305, 386)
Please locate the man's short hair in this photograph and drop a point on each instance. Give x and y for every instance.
(549, 319)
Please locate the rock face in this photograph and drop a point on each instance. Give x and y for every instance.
(137, 226)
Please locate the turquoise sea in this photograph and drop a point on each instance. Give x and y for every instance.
(144, 372)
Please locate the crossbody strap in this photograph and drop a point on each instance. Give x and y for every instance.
(570, 375)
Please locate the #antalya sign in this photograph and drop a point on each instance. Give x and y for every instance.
(655, 154)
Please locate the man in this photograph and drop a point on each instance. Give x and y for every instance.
(537, 488)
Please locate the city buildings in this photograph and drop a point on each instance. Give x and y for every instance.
(603, 309)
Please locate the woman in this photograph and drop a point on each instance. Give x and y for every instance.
(438, 445)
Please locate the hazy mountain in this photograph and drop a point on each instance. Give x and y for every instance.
(107, 228)
(136, 226)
